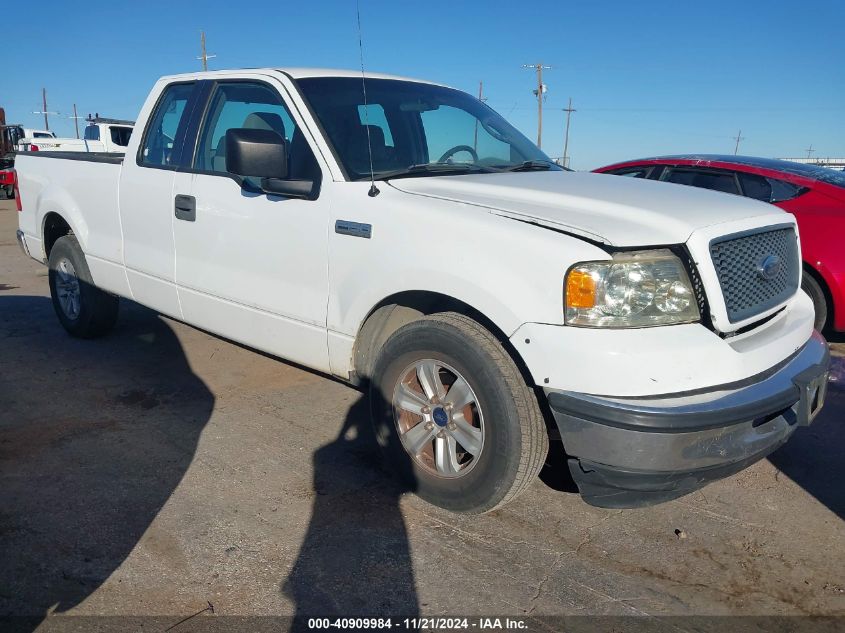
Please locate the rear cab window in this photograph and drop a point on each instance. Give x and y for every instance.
(120, 135)
(165, 133)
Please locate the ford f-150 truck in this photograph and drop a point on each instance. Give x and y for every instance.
(407, 239)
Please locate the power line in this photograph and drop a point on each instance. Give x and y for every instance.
(540, 91)
(726, 109)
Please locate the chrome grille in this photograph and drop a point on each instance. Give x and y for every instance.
(739, 260)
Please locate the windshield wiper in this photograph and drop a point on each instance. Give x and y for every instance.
(532, 165)
(441, 169)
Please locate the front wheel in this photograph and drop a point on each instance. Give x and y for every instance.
(454, 415)
(812, 288)
(83, 309)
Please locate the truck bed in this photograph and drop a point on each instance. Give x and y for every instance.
(81, 188)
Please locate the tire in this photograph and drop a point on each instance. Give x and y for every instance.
(508, 430)
(84, 310)
(812, 288)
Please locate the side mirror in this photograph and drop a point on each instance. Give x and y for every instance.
(305, 189)
(263, 154)
(256, 153)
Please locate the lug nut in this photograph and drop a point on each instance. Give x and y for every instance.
(451, 426)
(429, 426)
(426, 410)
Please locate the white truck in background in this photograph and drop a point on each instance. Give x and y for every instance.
(413, 242)
(101, 135)
(32, 133)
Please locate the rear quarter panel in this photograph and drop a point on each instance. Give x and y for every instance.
(821, 221)
(83, 193)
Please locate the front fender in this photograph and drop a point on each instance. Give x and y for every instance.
(510, 271)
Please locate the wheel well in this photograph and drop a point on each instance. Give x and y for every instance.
(54, 228)
(828, 297)
(397, 310)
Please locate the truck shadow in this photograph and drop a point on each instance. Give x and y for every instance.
(94, 438)
(812, 457)
(355, 559)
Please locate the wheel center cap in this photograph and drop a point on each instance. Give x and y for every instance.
(440, 416)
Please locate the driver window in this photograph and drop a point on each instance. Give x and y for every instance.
(253, 106)
(447, 127)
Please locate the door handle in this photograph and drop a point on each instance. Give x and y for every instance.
(186, 208)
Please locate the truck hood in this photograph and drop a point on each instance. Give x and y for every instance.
(613, 210)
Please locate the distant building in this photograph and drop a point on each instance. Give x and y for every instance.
(831, 163)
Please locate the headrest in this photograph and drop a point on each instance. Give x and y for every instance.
(376, 135)
(265, 121)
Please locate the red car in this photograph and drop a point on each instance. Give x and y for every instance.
(7, 182)
(815, 195)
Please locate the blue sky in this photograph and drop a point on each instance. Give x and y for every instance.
(645, 77)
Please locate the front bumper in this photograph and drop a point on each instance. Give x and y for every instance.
(629, 452)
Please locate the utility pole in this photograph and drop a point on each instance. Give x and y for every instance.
(539, 91)
(569, 110)
(739, 137)
(76, 120)
(205, 56)
(44, 110)
(809, 150)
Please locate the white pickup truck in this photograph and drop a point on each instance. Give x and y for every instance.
(100, 135)
(412, 242)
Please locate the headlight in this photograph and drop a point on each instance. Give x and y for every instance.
(637, 289)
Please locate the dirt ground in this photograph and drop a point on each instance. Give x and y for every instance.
(160, 468)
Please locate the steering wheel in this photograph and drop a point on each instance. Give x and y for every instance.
(458, 148)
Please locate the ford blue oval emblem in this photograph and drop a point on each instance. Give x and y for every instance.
(769, 267)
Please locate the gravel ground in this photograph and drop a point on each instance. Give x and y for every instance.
(160, 468)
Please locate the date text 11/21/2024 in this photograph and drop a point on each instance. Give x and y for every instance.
(419, 623)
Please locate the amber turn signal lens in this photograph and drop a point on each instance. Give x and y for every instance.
(580, 289)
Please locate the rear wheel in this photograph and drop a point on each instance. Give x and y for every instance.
(454, 415)
(83, 309)
(814, 289)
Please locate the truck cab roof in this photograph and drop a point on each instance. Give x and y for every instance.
(295, 73)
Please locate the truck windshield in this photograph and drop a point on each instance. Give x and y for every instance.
(415, 129)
